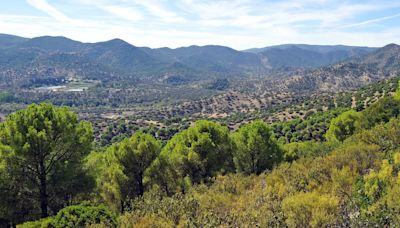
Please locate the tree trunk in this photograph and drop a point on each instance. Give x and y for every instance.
(43, 190)
(140, 185)
(122, 206)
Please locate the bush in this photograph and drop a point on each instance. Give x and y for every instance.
(296, 150)
(311, 210)
(382, 111)
(129, 220)
(42, 223)
(84, 215)
(345, 125)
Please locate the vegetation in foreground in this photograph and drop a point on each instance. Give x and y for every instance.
(205, 175)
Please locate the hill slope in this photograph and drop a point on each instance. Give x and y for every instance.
(22, 59)
(381, 64)
(307, 56)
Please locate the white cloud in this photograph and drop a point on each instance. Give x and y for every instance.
(45, 7)
(134, 10)
(156, 9)
(371, 21)
(237, 23)
(261, 14)
(216, 9)
(127, 13)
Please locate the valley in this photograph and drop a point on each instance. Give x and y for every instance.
(199, 113)
(136, 129)
(186, 84)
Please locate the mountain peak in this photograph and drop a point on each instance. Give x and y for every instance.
(53, 40)
(118, 41)
(391, 46)
(3, 35)
(7, 40)
(53, 44)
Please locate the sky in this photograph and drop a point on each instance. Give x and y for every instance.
(239, 24)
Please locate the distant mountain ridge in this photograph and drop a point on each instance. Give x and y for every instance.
(310, 47)
(383, 63)
(27, 62)
(210, 58)
(308, 56)
(126, 60)
(10, 40)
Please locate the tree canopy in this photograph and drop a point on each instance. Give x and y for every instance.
(205, 175)
(256, 148)
(344, 126)
(41, 150)
(193, 155)
(120, 169)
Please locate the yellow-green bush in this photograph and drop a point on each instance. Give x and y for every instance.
(311, 210)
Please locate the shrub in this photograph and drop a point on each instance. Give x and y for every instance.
(42, 223)
(84, 215)
(311, 210)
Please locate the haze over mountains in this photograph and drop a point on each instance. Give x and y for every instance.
(50, 60)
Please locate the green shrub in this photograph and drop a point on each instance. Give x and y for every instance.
(42, 223)
(83, 215)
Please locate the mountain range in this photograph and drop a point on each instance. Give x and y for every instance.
(381, 64)
(47, 60)
(308, 56)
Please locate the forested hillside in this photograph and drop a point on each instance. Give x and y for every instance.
(63, 70)
(308, 56)
(120, 87)
(53, 175)
(49, 58)
(199, 113)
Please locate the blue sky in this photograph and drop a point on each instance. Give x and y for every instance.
(239, 24)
